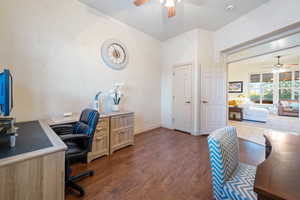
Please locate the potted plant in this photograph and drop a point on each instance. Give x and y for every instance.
(116, 95)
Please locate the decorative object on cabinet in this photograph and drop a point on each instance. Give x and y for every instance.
(96, 101)
(235, 87)
(115, 54)
(116, 94)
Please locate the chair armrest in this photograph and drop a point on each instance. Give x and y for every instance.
(63, 129)
(69, 137)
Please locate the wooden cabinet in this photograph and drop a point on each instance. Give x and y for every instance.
(101, 140)
(114, 131)
(121, 131)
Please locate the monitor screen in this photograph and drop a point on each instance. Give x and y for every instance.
(6, 93)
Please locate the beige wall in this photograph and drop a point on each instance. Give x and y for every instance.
(196, 47)
(53, 50)
(241, 72)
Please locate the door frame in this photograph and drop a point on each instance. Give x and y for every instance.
(290, 43)
(192, 93)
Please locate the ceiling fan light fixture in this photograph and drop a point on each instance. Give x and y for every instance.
(229, 7)
(170, 3)
(278, 70)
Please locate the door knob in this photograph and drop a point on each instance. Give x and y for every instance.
(187, 102)
(204, 101)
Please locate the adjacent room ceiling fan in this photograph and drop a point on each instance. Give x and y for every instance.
(169, 4)
(280, 67)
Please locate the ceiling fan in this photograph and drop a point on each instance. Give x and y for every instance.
(169, 4)
(280, 67)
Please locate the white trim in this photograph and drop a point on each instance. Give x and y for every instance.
(148, 128)
(275, 35)
(272, 46)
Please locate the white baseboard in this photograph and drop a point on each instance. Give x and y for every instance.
(147, 128)
(200, 132)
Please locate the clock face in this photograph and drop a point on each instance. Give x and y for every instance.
(114, 54)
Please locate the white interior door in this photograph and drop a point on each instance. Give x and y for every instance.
(213, 98)
(182, 98)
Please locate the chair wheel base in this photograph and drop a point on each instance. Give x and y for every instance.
(71, 182)
(92, 173)
(76, 187)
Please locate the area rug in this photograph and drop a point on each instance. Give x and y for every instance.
(255, 134)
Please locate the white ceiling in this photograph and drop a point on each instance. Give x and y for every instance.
(152, 19)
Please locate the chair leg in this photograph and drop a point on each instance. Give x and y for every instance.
(82, 175)
(76, 187)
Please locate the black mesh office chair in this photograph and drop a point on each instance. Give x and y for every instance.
(79, 138)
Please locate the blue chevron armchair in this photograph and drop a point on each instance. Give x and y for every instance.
(231, 179)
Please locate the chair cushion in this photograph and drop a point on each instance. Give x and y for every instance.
(240, 185)
(228, 141)
(81, 127)
(73, 148)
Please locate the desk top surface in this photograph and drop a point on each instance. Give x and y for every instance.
(35, 139)
(278, 177)
(31, 137)
(75, 117)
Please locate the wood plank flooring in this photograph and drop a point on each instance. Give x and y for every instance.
(163, 165)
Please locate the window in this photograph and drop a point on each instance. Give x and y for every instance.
(297, 85)
(261, 88)
(289, 85)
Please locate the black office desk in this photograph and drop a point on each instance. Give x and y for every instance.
(31, 137)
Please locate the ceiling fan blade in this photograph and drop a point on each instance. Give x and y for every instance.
(171, 11)
(140, 2)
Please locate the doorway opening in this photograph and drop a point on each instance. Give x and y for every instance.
(264, 91)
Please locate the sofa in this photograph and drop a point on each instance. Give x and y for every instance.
(288, 108)
(252, 112)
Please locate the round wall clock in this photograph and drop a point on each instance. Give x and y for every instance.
(114, 54)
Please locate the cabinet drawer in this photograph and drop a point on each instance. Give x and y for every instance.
(103, 123)
(121, 137)
(122, 121)
(100, 144)
(102, 127)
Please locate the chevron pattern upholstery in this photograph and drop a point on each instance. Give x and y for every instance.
(240, 186)
(231, 179)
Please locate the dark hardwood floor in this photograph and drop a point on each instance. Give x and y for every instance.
(163, 165)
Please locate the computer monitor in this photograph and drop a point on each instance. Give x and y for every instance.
(6, 93)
